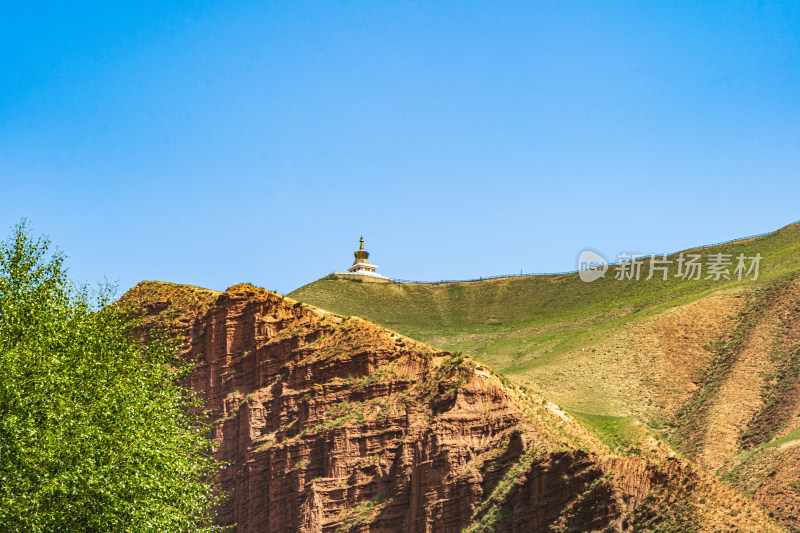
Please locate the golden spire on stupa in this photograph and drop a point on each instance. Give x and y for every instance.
(361, 255)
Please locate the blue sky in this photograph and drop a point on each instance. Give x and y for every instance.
(212, 143)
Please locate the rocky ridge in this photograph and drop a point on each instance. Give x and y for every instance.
(331, 423)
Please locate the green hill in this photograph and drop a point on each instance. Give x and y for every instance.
(517, 324)
(588, 346)
(711, 367)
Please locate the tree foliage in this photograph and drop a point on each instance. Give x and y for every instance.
(96, 434)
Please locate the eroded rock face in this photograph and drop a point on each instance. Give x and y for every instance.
(335, 424)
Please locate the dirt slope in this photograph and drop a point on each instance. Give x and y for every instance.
(335, 424)
(744, 421)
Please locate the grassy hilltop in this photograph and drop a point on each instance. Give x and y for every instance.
(522, 325)
(711, 366)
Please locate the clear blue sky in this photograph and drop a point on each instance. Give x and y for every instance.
(211, 143)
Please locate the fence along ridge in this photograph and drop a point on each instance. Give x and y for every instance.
(399, 280)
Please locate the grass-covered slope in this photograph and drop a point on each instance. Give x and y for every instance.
(709, 365)
(535, 325)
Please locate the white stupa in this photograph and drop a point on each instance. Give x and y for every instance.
(362, 268)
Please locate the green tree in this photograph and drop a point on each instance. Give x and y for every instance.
(96, 434)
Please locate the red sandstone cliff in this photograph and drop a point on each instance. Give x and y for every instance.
(332, 423)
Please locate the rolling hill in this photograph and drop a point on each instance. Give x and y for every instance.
(710, 365)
